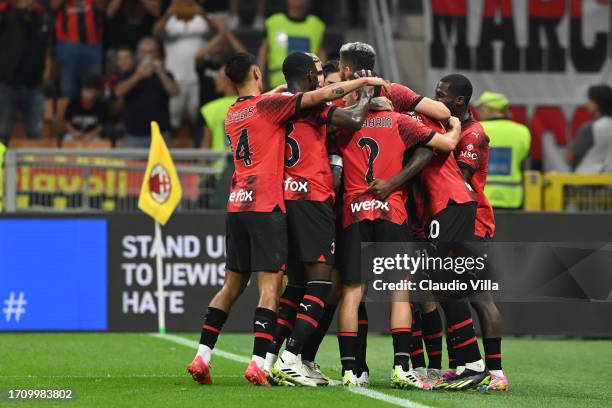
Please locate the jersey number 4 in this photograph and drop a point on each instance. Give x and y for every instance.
(374, 150)
(243, 150)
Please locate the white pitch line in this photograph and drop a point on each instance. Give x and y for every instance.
(402, 402)
(185, 342)
(365, 392)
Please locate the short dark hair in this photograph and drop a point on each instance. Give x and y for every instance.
(331, 67)
(459, 85)
(93, 82)
(602, 96)
(358, 55)
(238, 66)
(297, 65)
(124, 47)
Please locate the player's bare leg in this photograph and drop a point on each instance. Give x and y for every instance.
(216, 315)
(491, 326)
(347, 331)
(264, 324)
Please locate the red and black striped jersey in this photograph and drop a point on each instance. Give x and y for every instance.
(377, 150)
(255, 127)
(307, 172)
(78, 21)
(437, 184)
(472, 152)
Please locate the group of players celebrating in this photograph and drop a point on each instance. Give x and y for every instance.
(337, 158)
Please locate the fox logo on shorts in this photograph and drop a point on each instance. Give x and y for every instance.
(306, 307)
(332, 249)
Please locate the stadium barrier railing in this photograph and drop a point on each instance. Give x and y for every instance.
(570, 192)
(61, 180)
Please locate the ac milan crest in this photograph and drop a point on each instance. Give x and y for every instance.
(159, 184)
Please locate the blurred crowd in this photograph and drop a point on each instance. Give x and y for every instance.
(94, 73)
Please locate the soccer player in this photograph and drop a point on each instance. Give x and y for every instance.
(331, 71)
(472, 155)
(357, 56)
(445, 204)
(256, 232)
(309, 194)
(377, 151)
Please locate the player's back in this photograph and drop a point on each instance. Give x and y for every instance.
(255, 127)
(375, 151)
(307, 171)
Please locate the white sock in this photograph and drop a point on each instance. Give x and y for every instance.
(259, 360)
(205, 352)
(476, 366)
(270, 360)
(288, 357)
(497, 373)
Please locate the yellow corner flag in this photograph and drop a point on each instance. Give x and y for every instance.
(161, 188)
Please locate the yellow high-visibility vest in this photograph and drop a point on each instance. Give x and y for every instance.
(286, 36)
(509, 146)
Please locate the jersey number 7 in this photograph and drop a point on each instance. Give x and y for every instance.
(374, 150)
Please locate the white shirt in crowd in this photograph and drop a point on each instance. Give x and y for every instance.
(182, 40)
(599, 157)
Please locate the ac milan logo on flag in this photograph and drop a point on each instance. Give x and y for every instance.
(159, 184)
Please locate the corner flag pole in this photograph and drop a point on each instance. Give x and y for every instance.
(161, 298)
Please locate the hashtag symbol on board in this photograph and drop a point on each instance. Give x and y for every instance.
(14, 306)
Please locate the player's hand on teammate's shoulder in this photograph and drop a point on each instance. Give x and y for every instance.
(367, 73)
(364, 73)
(377, 81)
(381, 103)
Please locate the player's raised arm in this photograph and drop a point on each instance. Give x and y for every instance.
(352, 118)
(338, 90)
(448, 141)
(405, 99)
(433, 109)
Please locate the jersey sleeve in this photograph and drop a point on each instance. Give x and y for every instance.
(403, 98)
(326, 113)
(279, 108)
(412, 132)
(469, 151)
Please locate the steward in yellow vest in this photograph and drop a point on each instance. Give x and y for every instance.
(509, 147)
(286, 33)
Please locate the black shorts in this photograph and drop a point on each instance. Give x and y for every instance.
(455, 223)
(365, 231)
(312, 232)
(256, 241)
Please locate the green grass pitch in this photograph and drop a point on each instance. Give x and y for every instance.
(140, 370)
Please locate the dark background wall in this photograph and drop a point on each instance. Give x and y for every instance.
(194, 272)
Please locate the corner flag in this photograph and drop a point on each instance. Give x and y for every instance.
(161, 188)
(159, 195)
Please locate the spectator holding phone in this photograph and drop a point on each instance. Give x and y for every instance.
(146, 90)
